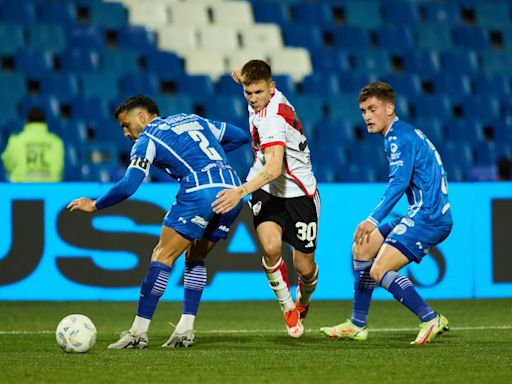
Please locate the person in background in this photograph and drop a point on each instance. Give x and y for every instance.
(34, 155)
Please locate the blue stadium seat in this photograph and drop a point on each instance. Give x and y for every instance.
(11, 38)
(486, 154)
(321, 84)
(196, 86)
(431, 106)
(493, 14)
(395, 37)
(162, 63)
(226, 86)
(90, 109)
(435, 37)
(226, 108)
(79, 61)
(171, 105)
(64, 86)
(61, 12)
(499, 63)
(460, 62)
(407, 85)
(119, 61)
(285, 84)
(421, 62)
(330, 61)
(12, 87)
(464, 131)
(442, 12)
(21, 12)
(401, 12)
(502, 130)
(433, 129)
(275, 12)
(351, 37)
(34, 62)
(353, 82)
(457, 159)
(86, 37)
(484, 84)
(136, 37)
(46, 36)
(138, 84)
(376, 62)
(486, 108)
(363, 13)
(298, 35)
(109, 132)
(9, 113)
(108, 15)
(310, 110)
(452, 85)
(344, 107)
(319, 14)
(471, 38)
(99, 84)
(335, 133)
(73, 132)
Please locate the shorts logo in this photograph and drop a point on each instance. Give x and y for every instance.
(400, 229)
(256, 208)
(223, 228)
(309, 245)
(182, 220)
(198, 220)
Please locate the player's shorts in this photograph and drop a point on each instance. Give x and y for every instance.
(413, 238)
(193, 218)
(298, 216)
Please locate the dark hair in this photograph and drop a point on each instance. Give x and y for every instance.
(256, 70)
(36, 114)
(378, 89)
(138, 101)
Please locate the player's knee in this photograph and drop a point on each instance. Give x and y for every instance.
(162, 255)
(272, 249)
(361, 252)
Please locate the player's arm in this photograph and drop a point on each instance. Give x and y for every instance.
(123, 189)
(229, 136)
(400, 173)
(228, 199)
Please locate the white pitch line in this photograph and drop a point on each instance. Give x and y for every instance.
(278, 331)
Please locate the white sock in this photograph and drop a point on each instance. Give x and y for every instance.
(278, 281)
(186, 323)
(140, 325)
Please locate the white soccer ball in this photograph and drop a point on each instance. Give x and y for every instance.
(76, 334)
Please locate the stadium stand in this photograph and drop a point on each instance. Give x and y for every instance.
(450, 63)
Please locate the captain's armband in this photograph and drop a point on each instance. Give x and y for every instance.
(140, 163)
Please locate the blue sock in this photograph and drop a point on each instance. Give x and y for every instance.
(363, 289)
(402, 289)
(153, 287)
(194, 282)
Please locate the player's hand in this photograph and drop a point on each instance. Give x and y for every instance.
(227, 199)
(82, 204)
(363, 231)
(236, 75)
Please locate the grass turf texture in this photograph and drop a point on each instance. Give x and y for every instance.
(247, 343)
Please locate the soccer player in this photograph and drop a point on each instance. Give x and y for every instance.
(285, 201)
(381, 250)
(188, 148)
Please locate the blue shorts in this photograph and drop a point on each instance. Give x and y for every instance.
(413, 238)
(193, 218)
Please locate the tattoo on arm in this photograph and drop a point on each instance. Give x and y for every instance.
(267, 176)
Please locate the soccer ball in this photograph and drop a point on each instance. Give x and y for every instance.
(76, 334)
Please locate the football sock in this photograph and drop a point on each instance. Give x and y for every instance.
(363, 289)
(307, 287)
(278, 280)
(186, 323)
(402, 290)
(152, 288)
(194, 282)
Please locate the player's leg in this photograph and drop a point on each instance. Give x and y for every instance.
(170, 246)
(194, 281)
(364, 254)
(307, 271)
(400, 248)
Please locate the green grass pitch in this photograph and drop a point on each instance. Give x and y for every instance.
(245, 342)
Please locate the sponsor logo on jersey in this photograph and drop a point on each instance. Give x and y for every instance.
(393, 147)
(407, 222)
(198, 220)
(256, 208)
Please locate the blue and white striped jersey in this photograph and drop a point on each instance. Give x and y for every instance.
(415, 168)
(187, 147)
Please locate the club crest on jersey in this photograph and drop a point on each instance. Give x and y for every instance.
(400, 229)
(256, 208)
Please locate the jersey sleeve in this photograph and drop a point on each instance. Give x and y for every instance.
(123, 189)
(272, 131)
(228, 135)
(401, 157)
(143, 153)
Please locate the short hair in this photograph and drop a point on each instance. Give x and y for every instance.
(138, 101)
(378, 89)
(36, 114)
(256, 70)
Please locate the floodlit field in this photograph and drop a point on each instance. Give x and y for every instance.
(246, 343)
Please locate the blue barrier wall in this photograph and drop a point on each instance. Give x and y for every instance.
(47, 253)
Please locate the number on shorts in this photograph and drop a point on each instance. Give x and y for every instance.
(306, 231)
